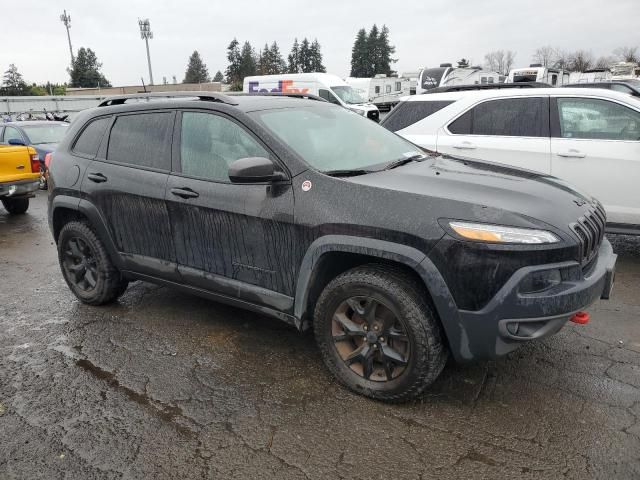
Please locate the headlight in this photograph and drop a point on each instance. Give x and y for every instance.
(502, 234)
(358, 111)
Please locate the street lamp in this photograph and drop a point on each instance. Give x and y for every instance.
(66, 19)
(146, 34)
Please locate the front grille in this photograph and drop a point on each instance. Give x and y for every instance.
(590, 230)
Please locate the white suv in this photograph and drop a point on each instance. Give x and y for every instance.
(588, 137)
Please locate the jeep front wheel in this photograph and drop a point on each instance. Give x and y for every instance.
(377, 333)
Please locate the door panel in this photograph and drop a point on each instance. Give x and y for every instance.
(596, 146)
(228, 237)
(513, 131)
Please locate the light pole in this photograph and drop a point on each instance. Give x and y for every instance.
(146, 34)
(66, 19)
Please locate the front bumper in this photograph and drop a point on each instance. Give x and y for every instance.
(512, 318)
(18, 189)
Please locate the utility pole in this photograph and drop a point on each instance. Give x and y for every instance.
(146, 34)
(66, 19)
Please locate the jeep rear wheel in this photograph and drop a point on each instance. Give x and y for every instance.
(377, 333)
(15, 206)
(86, 266)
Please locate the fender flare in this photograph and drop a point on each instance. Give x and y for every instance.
(415, 259)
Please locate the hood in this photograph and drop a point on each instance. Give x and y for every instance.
(487, 192)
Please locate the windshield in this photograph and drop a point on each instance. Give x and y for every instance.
(51, 133)
(348, 94)
(431, 77)
(334, 138)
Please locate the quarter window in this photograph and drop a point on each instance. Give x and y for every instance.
(510, 117)
(89, 140)
(210, 143)
(590, 118)
(142, 139)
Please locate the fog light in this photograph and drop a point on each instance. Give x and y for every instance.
(540, 281)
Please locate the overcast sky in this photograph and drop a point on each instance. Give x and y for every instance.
(425, 33)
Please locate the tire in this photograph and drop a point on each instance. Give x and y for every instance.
(400, 300)
(16, 206)
(86, 266)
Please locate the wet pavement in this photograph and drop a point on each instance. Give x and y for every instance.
(166, 385)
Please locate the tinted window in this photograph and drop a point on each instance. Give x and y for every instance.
(89, 140)
(511, 117)
(589, 118)
(620, 88)
(210, 143)
(11, 133)
(142, 139)
(408, 113)
(46, 133)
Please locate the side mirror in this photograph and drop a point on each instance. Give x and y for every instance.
(16, 141)
(252, 170)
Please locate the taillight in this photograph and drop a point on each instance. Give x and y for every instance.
(35, 163)
(47, 159)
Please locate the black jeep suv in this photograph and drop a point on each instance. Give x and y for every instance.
(299, 209)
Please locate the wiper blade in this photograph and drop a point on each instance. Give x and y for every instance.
(403, 161)
(346, 173)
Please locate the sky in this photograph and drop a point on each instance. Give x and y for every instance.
(425, 33)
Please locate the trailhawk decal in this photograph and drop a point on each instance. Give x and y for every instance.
(284, 86)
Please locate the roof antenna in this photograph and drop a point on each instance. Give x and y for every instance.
(145, 88)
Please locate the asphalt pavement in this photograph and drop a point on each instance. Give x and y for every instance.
(164, 385)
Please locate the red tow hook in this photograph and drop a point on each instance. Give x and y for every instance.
(581, 318)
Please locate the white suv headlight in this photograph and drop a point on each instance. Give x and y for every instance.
(502, 234)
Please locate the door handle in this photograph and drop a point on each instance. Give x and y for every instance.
(184, 193)
(572, 153)
(465, 146)
(97, 177)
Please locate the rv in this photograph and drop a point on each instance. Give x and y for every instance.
(330, 87)
(590, 76)
(538, 73)
(446, 75)
(413, 80)
(624, 71)
(384, 92)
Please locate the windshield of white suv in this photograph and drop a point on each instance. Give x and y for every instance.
(348, 95)
(334, 138)
(46, 133)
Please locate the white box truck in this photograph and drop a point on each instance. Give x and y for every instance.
(384, 92)
(330, 87)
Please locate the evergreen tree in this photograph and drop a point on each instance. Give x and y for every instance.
(279, 65)
(360, 55)
(383, 53)
(248, 62)
(218, 77)
(316, 57)
(373, 53)
(13, 84)
(294, 58)
(85, 71)
(197, 71)
(305, 63)
(463, 63)
(233, 73)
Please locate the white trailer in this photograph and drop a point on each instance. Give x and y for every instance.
(537, 73)
(446, 75)
(590, 76)
(330, 87)
(384, 92)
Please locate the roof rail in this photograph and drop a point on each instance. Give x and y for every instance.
(488, 86)
(205, 96)
(309, 96)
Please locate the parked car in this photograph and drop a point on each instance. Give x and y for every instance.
(631, 86)
(587, 137)
(305, 211)
(19, 173)
(329, 87)
(43, 135)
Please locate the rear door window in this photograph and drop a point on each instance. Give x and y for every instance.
(509, 117)
(142, 139)
(88, 142)
(11, 133)
(408, 113)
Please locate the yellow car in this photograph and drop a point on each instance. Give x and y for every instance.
(19, 177)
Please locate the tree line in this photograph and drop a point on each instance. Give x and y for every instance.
(371, 53)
